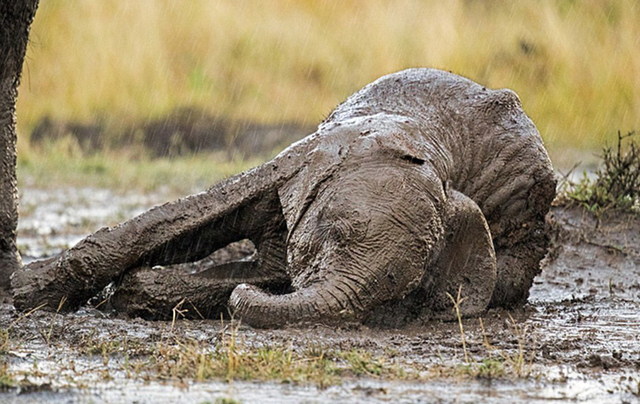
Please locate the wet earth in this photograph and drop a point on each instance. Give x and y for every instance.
(577, 340)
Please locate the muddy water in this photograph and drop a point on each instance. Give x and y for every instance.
(580, 334)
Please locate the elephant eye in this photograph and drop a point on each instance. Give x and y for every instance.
(412, 159)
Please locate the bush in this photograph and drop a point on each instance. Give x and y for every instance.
(617, 182)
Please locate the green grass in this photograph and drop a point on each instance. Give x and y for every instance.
(6, 379)
(4, 342)
(227, 400)
(575, 64)
(616, 185)
(489, 368)
(61, 163)
(234, 363)
(230, 359)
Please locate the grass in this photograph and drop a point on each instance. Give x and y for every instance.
(63, 163)
(226, 400)
(499, 363)
(188, 359)
(574, 63)
(519, 363)
(456, 308)
(183, 358)
(4, 341)
(363, 363)
(616, 184)
(180, 358)
(230, 359)
(6, 379)
(173, 356)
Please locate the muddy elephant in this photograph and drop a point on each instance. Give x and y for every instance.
(419, 185)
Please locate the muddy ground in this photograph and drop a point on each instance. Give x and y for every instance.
(577, 340)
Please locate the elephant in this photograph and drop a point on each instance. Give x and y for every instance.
(421, 185)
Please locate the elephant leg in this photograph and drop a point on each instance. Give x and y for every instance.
(516, 215)
(256, 219)
(466, 263)
(153, 292)
(518, 263)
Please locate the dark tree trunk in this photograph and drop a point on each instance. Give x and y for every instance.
(15, 19)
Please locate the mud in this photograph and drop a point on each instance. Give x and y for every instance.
(579, 335)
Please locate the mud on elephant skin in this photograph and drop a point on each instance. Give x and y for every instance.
(419, 184)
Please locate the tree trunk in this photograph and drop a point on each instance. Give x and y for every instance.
(15, 19)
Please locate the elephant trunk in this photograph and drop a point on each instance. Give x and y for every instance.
(328, 300)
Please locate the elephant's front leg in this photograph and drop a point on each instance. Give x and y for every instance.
(518, 260)
(463, 262)
(466, 264)
(153, 291)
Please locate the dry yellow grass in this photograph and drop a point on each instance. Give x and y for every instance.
(575, 64)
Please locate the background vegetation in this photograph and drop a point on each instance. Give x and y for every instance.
(575, 64)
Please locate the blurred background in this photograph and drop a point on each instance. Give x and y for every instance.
(219, 86)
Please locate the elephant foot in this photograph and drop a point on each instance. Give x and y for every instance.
(158, 293)
(464, 275)
(518, 265)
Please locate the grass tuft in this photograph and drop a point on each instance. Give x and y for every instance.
(6, 379)
(226, 400)
(4, 341)
(617, 182)
(177, 358)
(189, 359)
(363, 363)
(456, 308)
